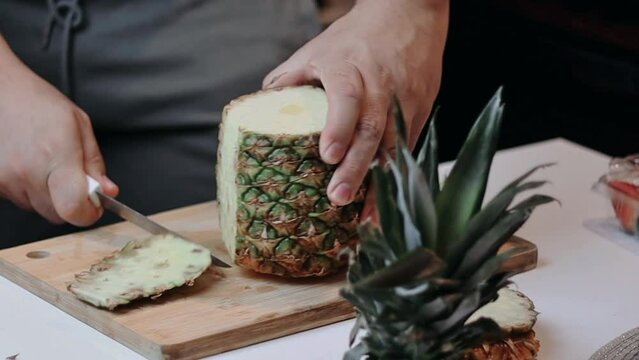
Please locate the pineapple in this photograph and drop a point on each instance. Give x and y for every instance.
(432, 260)
(142, 268)
(515, 315)
(274, 213)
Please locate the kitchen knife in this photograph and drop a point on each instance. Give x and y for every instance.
(126, 213)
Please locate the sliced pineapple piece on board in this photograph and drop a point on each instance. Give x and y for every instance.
(275, 215)
(142, 268)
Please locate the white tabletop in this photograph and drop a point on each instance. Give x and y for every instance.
(584, 286)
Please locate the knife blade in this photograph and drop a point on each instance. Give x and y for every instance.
(127, 213)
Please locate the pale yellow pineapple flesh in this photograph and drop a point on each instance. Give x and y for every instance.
(143, 268)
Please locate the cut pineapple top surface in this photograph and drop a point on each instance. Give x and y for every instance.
(290, 112)
(142, 268)
(513, 311)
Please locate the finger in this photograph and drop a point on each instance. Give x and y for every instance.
(44, 207)
(352, 170)
(292, 77)
(66, 180)
(345, 92)
(367, 134)
(38, 194)
(27, 189)
(297, 61)
(36, 188)
(93, 160)
(276, 73)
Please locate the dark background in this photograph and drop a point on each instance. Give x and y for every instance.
(570, 68)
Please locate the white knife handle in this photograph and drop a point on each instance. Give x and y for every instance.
(94, 186)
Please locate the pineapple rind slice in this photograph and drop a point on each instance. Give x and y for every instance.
(142, 268)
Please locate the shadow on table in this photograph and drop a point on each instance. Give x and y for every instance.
(609, 229)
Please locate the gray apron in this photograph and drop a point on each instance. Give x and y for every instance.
(153, 75)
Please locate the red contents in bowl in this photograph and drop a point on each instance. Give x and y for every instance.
(626, 211)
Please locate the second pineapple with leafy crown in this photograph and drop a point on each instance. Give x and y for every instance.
(274, 213)
(432, 261)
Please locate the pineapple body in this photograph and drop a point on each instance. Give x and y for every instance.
(515, 347)
(274, 212)
(515, 314)
(432, 260)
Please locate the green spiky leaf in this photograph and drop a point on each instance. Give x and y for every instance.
(488, 244)
(357, 352)
(463, 191)
(412, 236)
(421, 203)
(428, 158)
(415, 204)
(390, 220)
(419, 263)
(485, 219)
(433, 260)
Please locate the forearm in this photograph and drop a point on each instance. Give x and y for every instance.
(9, 62)
(6, 55)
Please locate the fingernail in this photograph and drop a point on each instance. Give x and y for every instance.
(342, 194)
(333, 153)
(110, 184)
(275, 78)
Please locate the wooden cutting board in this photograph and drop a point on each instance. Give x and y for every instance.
(224, 310)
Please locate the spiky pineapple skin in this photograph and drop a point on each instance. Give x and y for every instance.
(520, 342)
(520, 347)
(286, 224)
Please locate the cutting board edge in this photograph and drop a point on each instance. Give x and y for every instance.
(275, 328)
(125, 336)
(526, 259)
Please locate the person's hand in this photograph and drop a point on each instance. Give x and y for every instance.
(378, 51)
(47, 147)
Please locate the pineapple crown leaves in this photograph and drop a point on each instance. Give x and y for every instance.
(432, 260)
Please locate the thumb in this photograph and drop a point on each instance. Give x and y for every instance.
(69, 194)
(288, 77)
